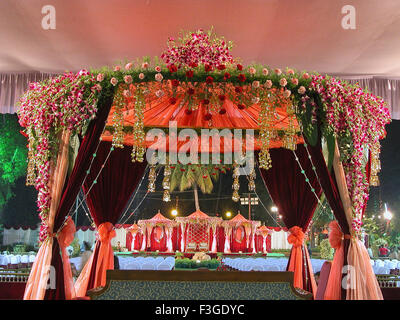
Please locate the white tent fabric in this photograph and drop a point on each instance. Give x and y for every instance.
(12, 236)
(120, 236)
(279, 240)
(88, 236)
(302, 34)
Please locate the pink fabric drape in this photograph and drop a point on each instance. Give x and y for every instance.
(37, 282)
(65, 238)
(334, 285)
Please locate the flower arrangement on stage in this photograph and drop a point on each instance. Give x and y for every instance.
(199, 70)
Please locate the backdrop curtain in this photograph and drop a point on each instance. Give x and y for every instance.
(106, 200)
(296, 203)
(73, 184)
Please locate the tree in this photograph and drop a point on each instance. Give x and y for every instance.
(184, 177)
(13, 153)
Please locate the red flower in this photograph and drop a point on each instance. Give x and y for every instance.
(175, 82)
(188, 112)
(172, 100)
(208, 68)
(227, 76)
(207, 116)
(172, 68)
(221, 97)
(206, 101)
(238, 89)
(222, 111)
(221, 67)
(239, 67)
(242, 77)
(194, 65)
(209, 80)
(241, 106)
(189, 74)
(190, 91)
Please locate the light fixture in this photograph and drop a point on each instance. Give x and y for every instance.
(274, 209)
(174, 212)
(228, 214)
(387, 214)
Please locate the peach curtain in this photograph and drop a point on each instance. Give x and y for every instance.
(65, 238)
(334, 285)
(361, 280)
(37, 282)
(105, 261)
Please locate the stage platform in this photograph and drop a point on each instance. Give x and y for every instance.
(191, 254)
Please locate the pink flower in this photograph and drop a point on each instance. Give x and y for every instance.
(100, 77)
(145, 65)
(255, 84)
(265, 71)
(128, 79)
(252, 71)
(114, 81)
(278, 71)
(127, 93)
(290, 71)
(295, 81)
(283, 82)
(268, 84)
(306, 76)
(159, 93)
(287, 93)
(128, 66)
(141, 76)
(158, 69)
(158, 77)
(302, 90)
(117, 68)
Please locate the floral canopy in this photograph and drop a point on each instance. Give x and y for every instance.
(198, 84)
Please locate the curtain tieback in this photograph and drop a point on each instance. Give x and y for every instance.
(347, 236)
(106, 232)
(336, 235)
(296, 236)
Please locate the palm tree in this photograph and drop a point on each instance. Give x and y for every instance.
(184, 177)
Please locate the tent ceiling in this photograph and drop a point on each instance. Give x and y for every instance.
(302, 34)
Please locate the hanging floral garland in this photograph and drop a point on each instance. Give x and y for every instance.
(65, 102)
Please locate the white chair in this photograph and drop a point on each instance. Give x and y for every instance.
(158, 260)
(24, 261)
(132, 265)
(148, 266)
(164, 266)
(257, 267)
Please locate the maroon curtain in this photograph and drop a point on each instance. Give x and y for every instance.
(290, 191)
(117, 181)
(331, 191)
(72, 186)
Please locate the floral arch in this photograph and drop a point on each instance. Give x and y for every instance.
(82, 126)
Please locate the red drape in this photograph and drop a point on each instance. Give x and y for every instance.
(291, 193)
(72, 186)
(116, 183)
(236, 244)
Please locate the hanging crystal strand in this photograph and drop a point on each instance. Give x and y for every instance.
(266, 133)
(167, 183)
(139, 149)
(375, 164)
(289, 141)
(118, 118)
(252, 177)
(31, 172)
(152, 179)
(236, 184)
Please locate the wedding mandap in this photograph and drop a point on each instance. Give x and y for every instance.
(92, 130)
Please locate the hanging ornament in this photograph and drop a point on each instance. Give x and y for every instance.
(118, 118)
(252, 177)
(152, 179)
(166, 196)
(266, 135)
(138, 127)
(375, 164)
(236, 184)
(31, 173)
(290, 141)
